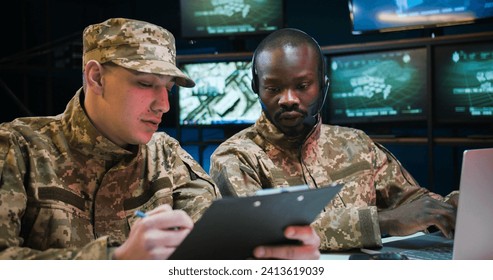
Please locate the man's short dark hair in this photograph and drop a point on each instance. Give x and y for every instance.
(287, 37)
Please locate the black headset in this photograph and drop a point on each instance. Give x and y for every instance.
(323, 78)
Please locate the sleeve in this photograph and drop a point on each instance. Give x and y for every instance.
(394, 184)
(343, 228)
(237, 173)
(234, 171)
(13, 201)
(194, 190)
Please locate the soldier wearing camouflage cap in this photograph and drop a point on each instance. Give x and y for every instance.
(135, 45)
(289, 145)
(70, 184)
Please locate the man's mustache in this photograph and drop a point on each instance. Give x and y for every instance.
(277, 115)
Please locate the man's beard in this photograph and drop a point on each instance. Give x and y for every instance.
(295, 131)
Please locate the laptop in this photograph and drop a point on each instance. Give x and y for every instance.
(474, 223)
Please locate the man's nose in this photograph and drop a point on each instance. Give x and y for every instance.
(289, 98)
(161, 102)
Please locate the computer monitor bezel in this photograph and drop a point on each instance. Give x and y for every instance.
(368, 120)
(188, 24)
(440, 98)
(450, 17)
(239, 57)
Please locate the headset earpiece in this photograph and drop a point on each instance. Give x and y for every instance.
(254, 84)
(324, 92)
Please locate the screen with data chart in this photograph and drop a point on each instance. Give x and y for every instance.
(464, 83)
(213, 18)
(378, 86)
(222, 94)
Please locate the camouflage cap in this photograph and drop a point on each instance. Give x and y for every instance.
(134, 44)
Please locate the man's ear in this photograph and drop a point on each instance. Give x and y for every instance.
(93, 75)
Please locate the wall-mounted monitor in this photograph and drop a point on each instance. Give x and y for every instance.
(379, 86)
(395, 15)
(222, 94)
(463, 83)
(214, 18)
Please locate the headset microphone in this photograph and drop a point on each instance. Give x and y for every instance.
(311, 119)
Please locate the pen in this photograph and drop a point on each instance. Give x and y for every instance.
(140, 214)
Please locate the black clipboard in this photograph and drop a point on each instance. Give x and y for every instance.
(233, 226)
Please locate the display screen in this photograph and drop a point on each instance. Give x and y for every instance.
(392, 15)
(378, 86)
(222, 94)
(464, 83)
(211, 18)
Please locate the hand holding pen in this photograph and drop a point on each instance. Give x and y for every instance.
(156, 235)
(141, 214)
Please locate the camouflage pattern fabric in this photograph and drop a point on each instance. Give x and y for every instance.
(133, 44)
(262, 157)
(67, 192)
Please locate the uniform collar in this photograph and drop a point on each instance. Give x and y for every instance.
(83, 136)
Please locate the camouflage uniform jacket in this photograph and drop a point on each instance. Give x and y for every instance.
(262, 157)
(67, 192)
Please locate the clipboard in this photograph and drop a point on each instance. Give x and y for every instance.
(233, 226)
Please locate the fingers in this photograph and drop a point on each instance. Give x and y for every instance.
(305, 234)
(446, 231)
(453, 200)
(165, 218)
(418, 216)
(443, 218)
(161, 253)
(151, 243)
(166, 227)
(157, 235)
(445, 225)
(308, 249)
(163, 238)
(439, 214)
(288, 252)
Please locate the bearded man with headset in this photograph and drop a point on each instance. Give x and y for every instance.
(289, 146)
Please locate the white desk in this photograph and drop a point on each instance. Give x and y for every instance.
(346, 255)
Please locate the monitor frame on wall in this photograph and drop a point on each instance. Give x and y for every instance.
(463, 83)
(368, 79)
(222, 95)
(236, 18)
(398, 15)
